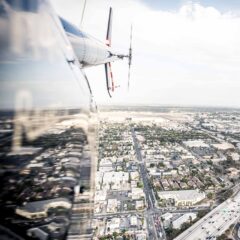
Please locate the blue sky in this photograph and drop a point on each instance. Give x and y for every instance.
(222, 5)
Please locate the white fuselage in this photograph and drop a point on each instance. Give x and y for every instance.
(89, 51)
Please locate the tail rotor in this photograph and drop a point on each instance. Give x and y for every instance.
(130, 58)
(108, 68)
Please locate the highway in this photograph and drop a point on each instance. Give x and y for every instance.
(216, 222)
(152, 215)
(237, 237)
(236, 231)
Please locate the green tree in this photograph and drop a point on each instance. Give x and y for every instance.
(115, 234)
(152, 165)
(210, 195)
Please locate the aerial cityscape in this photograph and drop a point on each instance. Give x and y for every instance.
(168, 175)
(161, 173)
(130, 137)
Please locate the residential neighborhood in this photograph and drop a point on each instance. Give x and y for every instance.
(170, 169)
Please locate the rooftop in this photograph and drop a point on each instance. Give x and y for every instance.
(184, 195)
(39, 206)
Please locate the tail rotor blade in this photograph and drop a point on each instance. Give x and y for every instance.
(111, 75)
(128, 77)
(107, 79)
(109, 28)
(130, 58)
(130, 48)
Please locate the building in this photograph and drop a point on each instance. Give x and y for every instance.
(196, 144)
(141, 235)
(134, 175)
(136, 193)
(167, 218)
(183, 197)
(112, 205)
(187, 217)
(235, 156)
(113, 225)
(39, 209)
(100, 196)
(223, 146)
(133, 221)
(115, 180)
(139, 204)
(105, 165)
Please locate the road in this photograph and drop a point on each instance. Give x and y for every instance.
(216, 222)
(152, 215)
(156, 211)
(236, 231)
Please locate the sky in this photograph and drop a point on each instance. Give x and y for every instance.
(185, 53)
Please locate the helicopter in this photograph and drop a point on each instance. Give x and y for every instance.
(91, 52)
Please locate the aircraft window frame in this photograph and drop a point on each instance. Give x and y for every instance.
(71, 29)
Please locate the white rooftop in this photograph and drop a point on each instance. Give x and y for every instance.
(182, 195)
(196, 143)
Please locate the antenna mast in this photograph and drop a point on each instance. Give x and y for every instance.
(83, 11)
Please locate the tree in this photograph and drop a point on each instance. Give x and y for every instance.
(184, 226)
(152, 165)
(161, 164)
(115, 234)
(202, 213)
(222, 237)
(210, 195)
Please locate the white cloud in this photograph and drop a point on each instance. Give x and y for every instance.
(189, 56)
